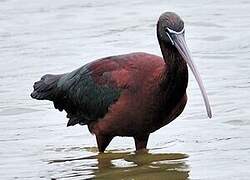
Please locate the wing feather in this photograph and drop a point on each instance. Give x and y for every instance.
(87, 93)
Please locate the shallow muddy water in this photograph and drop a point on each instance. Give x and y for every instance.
(39, 37)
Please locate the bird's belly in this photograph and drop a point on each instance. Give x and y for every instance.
(135, 120)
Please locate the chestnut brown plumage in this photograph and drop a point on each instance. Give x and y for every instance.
(127, 95)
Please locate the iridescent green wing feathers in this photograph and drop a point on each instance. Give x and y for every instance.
(85, 94)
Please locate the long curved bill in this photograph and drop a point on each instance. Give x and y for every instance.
(180, 43)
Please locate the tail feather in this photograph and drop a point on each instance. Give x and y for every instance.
(45, 88)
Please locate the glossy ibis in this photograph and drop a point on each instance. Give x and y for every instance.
(127, 95)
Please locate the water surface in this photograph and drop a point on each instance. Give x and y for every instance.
(39, 37)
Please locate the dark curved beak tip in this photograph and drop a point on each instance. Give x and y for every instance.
(210, 115)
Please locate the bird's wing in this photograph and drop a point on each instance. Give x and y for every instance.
(87, 93)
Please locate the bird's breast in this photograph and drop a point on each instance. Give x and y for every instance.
(152, 98)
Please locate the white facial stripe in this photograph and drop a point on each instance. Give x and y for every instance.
(174, 32)
(170, 39)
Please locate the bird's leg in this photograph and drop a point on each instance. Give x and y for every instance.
(103, 142)
(141, 141)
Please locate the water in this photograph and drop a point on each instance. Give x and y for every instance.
(39, 37)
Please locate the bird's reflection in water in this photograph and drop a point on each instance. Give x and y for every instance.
(126, 165)
(141, 165)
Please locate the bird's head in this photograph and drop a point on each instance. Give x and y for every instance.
(169, 25)
(170, 32)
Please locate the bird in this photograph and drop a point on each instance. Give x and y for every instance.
(128, 95)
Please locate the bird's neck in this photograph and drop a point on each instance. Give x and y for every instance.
(172, 57)
(175, 75)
